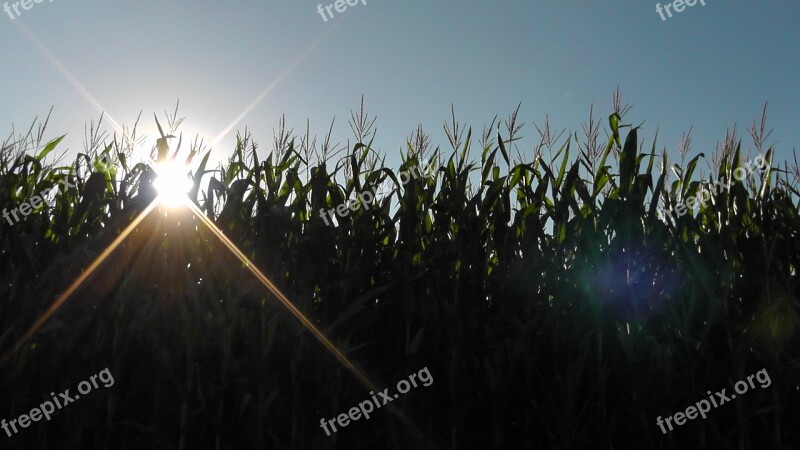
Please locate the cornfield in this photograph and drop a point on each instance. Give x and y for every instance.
(552, 302)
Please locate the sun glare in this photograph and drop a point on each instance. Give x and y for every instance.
(172, 183)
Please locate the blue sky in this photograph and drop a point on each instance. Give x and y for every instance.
(710, 66)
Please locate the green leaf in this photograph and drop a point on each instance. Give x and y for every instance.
(503, 149)
(627, 161)
(49, 148)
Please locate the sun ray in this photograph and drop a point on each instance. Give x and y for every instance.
(299, 315)
(77, 283)
(67, 74)
(59, 301)
(270, 87)
(281, 297)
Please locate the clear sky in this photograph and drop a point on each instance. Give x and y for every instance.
(709, 66)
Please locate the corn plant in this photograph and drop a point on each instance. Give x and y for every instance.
(557, 300)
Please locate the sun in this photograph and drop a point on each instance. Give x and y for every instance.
(172, 183)
(161, 152)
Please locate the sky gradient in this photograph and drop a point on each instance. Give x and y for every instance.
(710, 66)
